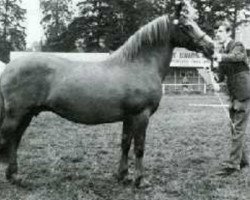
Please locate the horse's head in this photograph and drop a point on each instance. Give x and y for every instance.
(187, 33)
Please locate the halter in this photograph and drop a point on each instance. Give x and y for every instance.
(201, 38)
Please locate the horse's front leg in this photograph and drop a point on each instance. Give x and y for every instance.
(125, 146)
(4, 149)
(140, 127)
(12, 168)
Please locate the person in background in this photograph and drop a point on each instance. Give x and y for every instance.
(185, 83)
(79, 45)
(233, 65)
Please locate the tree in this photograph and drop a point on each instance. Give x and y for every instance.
(115, 20)
(56, 16)
(210, 11)
(162, 7)
(94, 22)
(131, 15)
(12, 33)
(111, 21)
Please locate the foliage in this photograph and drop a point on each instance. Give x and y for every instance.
(116, 20)
(56, 16)
(112, 21)
(211, 11)
(12, 33)
(106, 21)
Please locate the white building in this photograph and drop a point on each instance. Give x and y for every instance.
(242, 34)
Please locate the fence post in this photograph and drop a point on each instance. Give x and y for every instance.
(163, 89)
(205, 88)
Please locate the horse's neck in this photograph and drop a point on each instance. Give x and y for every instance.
(158, 58)
(165, 65)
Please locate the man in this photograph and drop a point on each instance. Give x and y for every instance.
(233, 65)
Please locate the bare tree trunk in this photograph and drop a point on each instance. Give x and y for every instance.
(235, 14)
(5, 20)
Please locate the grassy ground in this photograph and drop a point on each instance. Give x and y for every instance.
(185, 144)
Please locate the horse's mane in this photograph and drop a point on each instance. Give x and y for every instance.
(154, 33)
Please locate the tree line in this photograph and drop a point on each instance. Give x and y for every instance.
(103, 25)
(12, 31)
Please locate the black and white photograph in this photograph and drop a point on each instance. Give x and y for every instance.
(124, 99)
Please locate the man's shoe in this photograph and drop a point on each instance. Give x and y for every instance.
(244, 163)
(226, 171)
(227, 168)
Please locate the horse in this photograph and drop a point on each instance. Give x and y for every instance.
(124, 87)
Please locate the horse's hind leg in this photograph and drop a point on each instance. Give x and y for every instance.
(134, 127)
(12, 130)
(125, 146)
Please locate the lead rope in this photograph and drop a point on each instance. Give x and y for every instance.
(216, 88)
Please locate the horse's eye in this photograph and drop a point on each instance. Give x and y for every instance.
(188, 27)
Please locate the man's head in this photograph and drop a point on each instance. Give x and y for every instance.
(223, 31)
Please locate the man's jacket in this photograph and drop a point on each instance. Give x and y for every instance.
(234, 65)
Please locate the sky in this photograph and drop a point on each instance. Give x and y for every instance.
(34, 30)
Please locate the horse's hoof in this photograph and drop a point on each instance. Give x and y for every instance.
(120, 176)
(141, 182)
(2, 142)
(11, 172)
(8, 176)
(137, 182)
(15, 179)
(126, 181)
(4, 159)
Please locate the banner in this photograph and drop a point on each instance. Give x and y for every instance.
(184, 58)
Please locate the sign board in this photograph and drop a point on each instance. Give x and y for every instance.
(184, 58)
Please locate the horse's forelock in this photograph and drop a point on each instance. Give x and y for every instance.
(154, 33)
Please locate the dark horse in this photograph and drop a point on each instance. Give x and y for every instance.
(125, 87)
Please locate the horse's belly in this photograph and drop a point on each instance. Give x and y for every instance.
(96, 115)
(91, 117)
(82, 108)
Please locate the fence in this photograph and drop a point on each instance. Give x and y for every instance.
(179, 88)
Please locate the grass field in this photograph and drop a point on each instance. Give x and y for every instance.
(60, 160)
